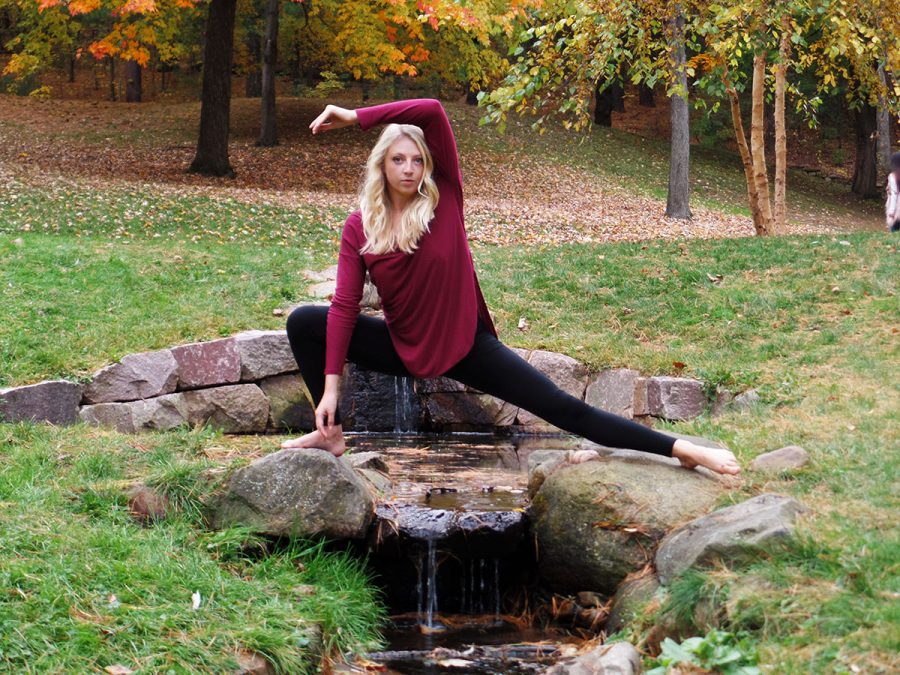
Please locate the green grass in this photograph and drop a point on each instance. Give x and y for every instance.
(89, 275)
(84, 587)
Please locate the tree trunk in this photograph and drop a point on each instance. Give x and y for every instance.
(784, 53)
(471, 95)
(758, 144)
(865, 170)
(883, 165)
(71, 68)
(132, 82)
(112, 78)
(678, 201)
(605, 101)
(645, 96)
(253, 84)
(215, 108)
(741, 138)
(267, 135)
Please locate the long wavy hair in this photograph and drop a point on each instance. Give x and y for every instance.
(375, 204)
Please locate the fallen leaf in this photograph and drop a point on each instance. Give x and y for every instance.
(278, 312)
(678, 365)
(523, 324)
(118, 669)
(195, 600)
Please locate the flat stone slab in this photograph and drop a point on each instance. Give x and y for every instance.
(481, 534)
(727, 534)
(54, 401)
(155, 414)
(205, 364)
(264, 353)
(675, 398)
(135, 377)
(613, 391)
(235, 409)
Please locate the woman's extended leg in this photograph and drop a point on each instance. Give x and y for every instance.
(495, 369)
(370, 347)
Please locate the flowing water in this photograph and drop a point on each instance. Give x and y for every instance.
(452, 555)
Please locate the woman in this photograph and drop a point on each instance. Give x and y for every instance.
(892, 206)
(410, 236)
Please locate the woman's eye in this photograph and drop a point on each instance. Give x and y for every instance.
(420, 161)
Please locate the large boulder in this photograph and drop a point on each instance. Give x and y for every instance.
(264, 353)
(296, 493)
(567, 373)
(55, 402)
(206, 364)
(630, 601)
(598, 521)
(727, 534)
(235, 409)
(136, 376)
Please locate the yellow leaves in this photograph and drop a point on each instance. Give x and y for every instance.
(138, 7)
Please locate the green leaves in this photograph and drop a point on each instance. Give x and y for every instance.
(720, 651)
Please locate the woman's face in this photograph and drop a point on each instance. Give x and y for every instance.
(404, 167)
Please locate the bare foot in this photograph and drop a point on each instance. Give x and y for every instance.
(315, 439)
(715, 459)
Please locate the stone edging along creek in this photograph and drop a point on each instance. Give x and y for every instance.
(595, 532)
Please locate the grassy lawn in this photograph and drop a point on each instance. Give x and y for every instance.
(89, 275)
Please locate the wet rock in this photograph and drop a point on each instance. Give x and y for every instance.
(480, 534)
(784, 459)
(136, 376)
(630, 600)
(613, 391)
(675, 398)
(236, 409)
(727, 534)
(296, 493)
(374, 401)
(367, 460)
(439, 385)
(145, 504)
(599, 521)
(289, 408)
(467, 411)
(205, 364)
(567, 373)
(379, 482)
(55, 402)
(264, 353)
(618, 658)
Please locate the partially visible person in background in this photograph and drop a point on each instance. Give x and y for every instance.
(892, 207)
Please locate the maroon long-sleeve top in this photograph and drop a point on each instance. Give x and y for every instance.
(431, 298)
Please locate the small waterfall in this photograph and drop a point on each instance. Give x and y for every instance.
(403, 405)
(476, 580)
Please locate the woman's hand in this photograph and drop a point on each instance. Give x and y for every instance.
(333, 117)
(325, 411)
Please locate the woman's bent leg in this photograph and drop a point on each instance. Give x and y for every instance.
(370, 347)
(495, 369)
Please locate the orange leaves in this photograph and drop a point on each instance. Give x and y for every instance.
(77, 7)
(138, 7)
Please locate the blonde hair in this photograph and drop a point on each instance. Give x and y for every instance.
(376, 206)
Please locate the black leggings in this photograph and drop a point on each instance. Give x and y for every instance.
(490, 367)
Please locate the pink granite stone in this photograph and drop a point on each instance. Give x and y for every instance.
(205, 364)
